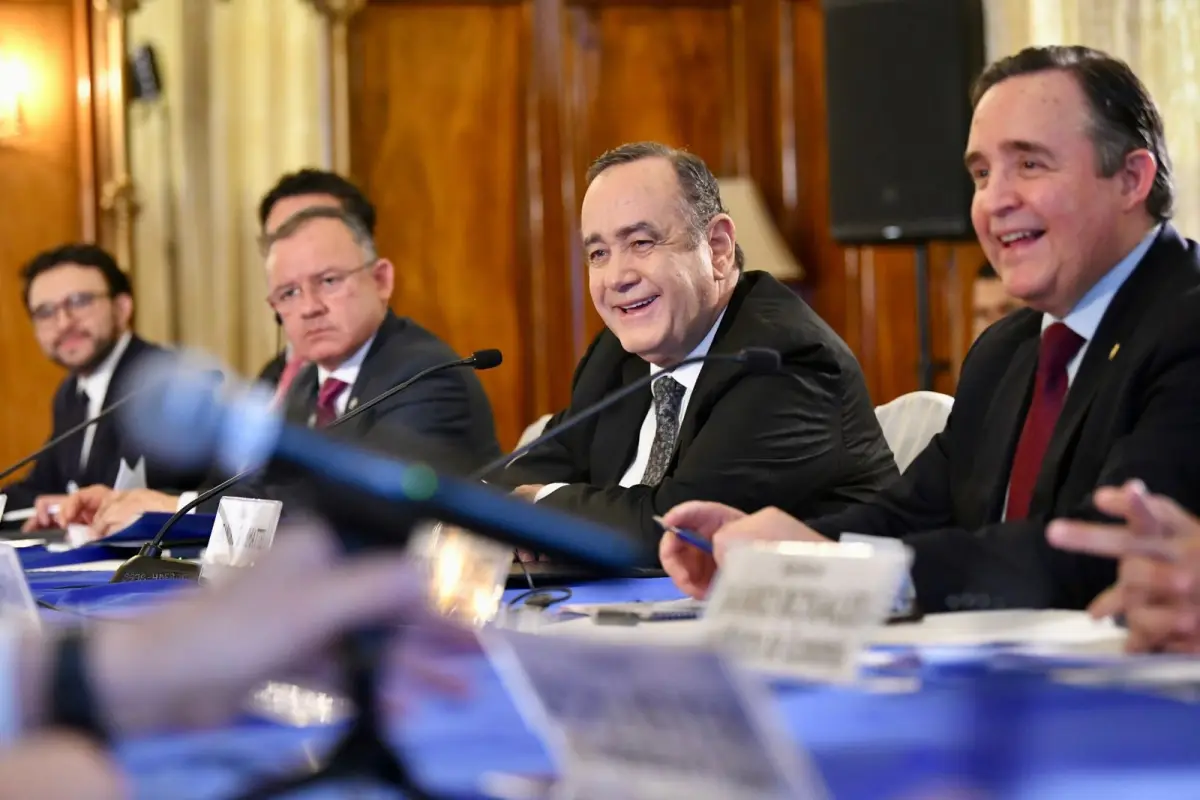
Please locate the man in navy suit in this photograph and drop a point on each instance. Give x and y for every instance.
(81, 306)
(1095, 383)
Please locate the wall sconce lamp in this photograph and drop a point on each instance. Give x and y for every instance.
(13, 80)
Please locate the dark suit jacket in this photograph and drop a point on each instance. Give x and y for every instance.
(272, 371)
(53, 470)
(805, 440)
(1133, 411)
(447, 410)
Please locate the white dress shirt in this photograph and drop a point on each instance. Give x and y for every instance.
(347, 371)
(1084, 319)
(96, 385)
(687, 376)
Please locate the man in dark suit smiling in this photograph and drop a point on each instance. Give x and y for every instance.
(1097, 382)
(667, 277)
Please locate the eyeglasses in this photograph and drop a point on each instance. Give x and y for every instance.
(72, 304)
(326, 285)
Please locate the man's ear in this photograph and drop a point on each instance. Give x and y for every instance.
(1137, 176)
(124, 306)
(721, 237)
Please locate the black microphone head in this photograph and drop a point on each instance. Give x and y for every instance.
(760, 359)
(487, 359)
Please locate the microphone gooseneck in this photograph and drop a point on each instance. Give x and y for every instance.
(755, 359)
(152, 550)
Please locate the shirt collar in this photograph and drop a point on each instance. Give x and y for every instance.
(96, 382)
(688, 374)
(347, 371)
(1085, 317)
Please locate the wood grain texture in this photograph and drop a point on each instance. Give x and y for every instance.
(43, 180)
(473, 124)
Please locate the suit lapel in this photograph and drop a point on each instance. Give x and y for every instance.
(1004, 420)
(105, 455)
(1129, 306)
(301, 401)
(613, 447)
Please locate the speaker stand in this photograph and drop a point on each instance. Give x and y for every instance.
(363, 754)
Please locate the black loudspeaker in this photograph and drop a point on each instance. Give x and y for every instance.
(898, 78)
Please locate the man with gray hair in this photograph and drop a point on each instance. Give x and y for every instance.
(668, 278)
(331, 290)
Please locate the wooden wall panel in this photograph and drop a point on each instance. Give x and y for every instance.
(473, 124)
(437, 140)
(42, 181)
(634, 72)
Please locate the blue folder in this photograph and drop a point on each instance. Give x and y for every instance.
(123, 543)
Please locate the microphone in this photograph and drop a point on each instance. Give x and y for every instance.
(754, 359)
(67, 434)
(149, 563)
(368, 487)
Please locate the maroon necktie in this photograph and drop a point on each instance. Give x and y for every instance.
(1059, 346)
(327, 397)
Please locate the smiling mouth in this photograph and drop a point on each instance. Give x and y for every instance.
(631, 308)
(1019, 238)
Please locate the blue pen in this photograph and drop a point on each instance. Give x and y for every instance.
(694, 539)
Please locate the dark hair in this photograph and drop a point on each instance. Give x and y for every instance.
(1124, 117)
(986, 272)
(697, 184)
(287, 228)
(83, 254)
(319, 181)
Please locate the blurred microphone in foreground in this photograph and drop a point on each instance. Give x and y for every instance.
(372, 496)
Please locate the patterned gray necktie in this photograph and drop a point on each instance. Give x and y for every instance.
(668, 397)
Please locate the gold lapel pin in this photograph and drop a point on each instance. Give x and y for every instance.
(353, 404)
(1113, 353)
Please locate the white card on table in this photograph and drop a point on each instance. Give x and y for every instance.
(650, 723)
(802, 609)
(906, 596)
(130, 478)
(3, 503)
(243, 531)
(16, 601)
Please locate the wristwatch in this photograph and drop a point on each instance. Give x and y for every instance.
(72, 701)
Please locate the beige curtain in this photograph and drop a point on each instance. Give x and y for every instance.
(1159, 39)
(243, 102)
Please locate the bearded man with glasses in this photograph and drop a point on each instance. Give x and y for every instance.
(81, 307)
(331, 290)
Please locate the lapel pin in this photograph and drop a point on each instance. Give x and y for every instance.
(1113, 353)
(353, 404)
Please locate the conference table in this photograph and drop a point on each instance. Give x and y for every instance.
(964, 717)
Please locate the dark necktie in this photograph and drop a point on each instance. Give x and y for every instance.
(77, 412)
(1059, 345)
(327, 397)
(668, 397)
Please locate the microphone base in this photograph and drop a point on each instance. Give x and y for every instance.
(151, 568)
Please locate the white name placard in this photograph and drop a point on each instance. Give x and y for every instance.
(16, 600)
(243, 530)
(905, 601)
(130, 478)
(802, 609)
(641, 722)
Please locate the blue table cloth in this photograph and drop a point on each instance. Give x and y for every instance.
(1011, 734)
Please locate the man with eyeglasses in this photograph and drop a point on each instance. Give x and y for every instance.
(331, 290)
(81, 306)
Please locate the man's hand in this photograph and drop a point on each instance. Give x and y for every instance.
(194, 662)
(528, 491)
(122, 508)
(81, 507)
(43, 517)
(692, 569)
(1158, 579)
